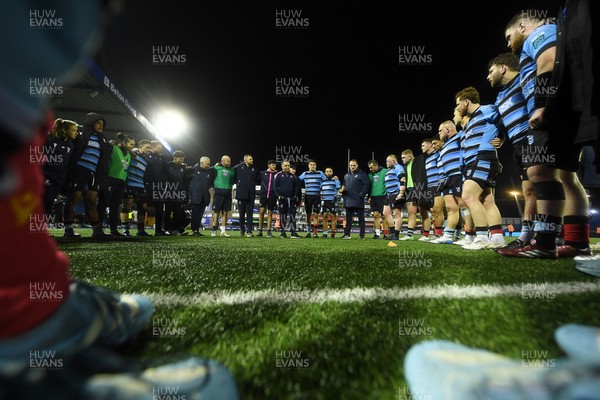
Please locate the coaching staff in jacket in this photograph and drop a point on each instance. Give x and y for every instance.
(356, 186)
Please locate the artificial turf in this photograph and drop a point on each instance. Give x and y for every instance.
(332, 349)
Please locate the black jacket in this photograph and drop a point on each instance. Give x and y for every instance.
(200, 181)
(419, 175)
(58, 153)
(356, 187)
(178, 174)
(156, 170)
(246, 179)
(287, 184)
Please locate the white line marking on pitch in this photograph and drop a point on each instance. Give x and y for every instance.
(525, 290)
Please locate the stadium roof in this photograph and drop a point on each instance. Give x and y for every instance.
(93, 91)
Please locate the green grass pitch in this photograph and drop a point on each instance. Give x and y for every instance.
(281, 315)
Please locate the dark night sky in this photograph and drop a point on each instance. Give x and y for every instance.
(348, 57)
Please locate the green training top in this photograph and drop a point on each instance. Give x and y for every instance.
(119, 163)
(224, 178)
(377, 180)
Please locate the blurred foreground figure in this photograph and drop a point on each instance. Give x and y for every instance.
(56, 334)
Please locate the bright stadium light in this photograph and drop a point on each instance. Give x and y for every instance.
(170, 124)
(516, 194)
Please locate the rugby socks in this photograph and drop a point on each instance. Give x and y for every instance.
(470, 234)
(496, 233)
(546, 228)
(448, 233)
(577, 231)
(482, 233)
(526, 232)
(222, 228)
(410, 232)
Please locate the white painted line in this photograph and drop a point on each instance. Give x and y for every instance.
(528, 291)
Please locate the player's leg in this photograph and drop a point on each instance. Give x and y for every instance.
(389, 219)
(69, 212)
(576, 218)
(471, 193)
(452, 219)
(126, 205)
(438, 215)
(269, 221)
(334, 222)
(411, 209)
(90, 199)
(494, 219)
(529, 212)
(217, 207)
(398, 217)
(316, 212)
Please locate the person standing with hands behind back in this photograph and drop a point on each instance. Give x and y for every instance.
(355, 188)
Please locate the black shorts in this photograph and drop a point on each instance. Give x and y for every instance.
(429, 198)
(453, 186)
(222, 202)
(377, 203)
(420, 198)
(518, 157)
(436, 189)
(84, 180)
(268, 203)
(560, 154)
(312, 203)
(391, 202)
(411, 196)
(328, 206)
(483, 172)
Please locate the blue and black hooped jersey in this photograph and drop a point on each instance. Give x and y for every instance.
(432, 169)
(541, 39)
(513, 110)
(91, 153)
(485, 125)
(329, 188)
(392, 179)
(450, 160)
(136, 171)
(312, 182)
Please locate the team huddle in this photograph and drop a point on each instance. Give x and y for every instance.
(451, 184)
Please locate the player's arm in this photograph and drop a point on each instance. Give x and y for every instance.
(545, 65)
(499, 136)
